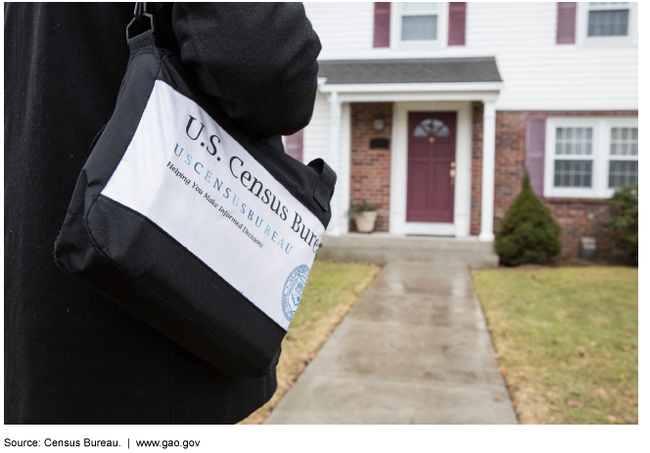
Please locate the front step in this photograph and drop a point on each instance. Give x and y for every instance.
(383, 247)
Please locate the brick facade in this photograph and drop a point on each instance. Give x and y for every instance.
(477, 168)
(370, 173)
(370, 168)
(577, 217)
(580, 217)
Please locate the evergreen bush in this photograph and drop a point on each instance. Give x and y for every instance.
(528, 232)
(624, 207)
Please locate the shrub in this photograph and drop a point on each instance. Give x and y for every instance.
(528, 232)
(624, 207)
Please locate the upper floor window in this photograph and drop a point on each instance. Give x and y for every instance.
(419, 24)
(420, 21)
(608, 19)
(600, 22)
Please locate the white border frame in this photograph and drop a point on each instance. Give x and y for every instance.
(582, 21)
(399, 174)
(396, 29)
(600, 154)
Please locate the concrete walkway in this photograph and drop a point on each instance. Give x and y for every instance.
(414, 349)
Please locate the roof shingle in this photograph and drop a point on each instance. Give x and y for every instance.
(433, 70)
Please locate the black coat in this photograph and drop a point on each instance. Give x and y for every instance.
(72, 356)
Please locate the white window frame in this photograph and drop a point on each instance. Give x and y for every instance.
(600, 155)
(442, 11)
(583, 25)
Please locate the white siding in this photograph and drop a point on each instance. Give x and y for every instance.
(316, 138)
(538, 74)
(316, 143)
(342, 27)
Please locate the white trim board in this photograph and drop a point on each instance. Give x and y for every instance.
(410, 87)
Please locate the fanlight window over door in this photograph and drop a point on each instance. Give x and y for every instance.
(431, 127)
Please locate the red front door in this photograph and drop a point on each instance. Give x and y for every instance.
(431, 164)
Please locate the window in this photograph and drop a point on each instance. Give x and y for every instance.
(590, 157)
(431, 127)
(419, 21)
(623, 156)
(419, 24)
(573, 157)
(607, 21)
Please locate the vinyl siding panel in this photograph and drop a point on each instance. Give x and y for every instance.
(347, 27)
(316, 143)
(538, 74)
(316, 137)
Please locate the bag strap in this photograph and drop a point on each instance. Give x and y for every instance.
(324, 187)
(141, 18)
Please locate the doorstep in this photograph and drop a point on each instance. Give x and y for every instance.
(384, 247)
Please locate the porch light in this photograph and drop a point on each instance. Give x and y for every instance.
(379, 123)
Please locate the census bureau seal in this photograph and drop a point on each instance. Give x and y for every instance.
(292, 291)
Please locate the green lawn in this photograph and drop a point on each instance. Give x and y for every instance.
(566, 340)
(332, 289)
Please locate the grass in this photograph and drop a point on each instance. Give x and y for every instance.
(567, 341)
(332, 289)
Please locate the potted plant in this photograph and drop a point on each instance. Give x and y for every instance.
(364, 216)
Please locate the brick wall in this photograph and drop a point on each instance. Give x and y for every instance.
(580, 217)
(370, 168)
(510, 152)
(477, 168)
(577, 217)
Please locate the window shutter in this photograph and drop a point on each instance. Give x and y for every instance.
(535, 146)
(293, 145)
(457, 23)
(566, 22)
(382, 24)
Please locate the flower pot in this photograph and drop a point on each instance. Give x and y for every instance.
(365, 221)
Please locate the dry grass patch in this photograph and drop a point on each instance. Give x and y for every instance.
(567, 341)
(332, 289)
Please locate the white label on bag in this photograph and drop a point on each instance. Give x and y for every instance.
(192, 179)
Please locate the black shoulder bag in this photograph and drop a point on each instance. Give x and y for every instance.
(204, 234)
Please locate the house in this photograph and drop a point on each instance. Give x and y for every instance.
(434, 111)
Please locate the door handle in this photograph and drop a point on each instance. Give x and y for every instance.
(452, 172)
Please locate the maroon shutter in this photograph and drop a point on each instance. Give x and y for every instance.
(382, 24)
(535, 146)
(566, 22)
(457, 23)
(293, 145)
